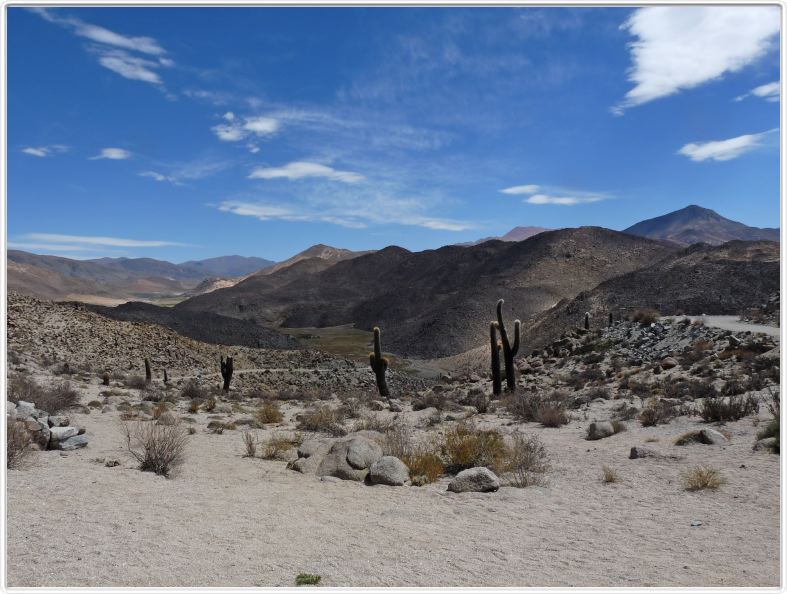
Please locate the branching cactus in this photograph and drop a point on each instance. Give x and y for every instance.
(379, 365)
(148, 375)
(226, 372)
(494, 345)
(509, 350)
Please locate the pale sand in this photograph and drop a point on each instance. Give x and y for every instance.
(224, 520)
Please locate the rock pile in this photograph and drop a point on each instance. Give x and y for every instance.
(48, 432)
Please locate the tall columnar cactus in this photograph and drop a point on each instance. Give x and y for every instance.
(379, 364)
(166, 379)
(226, 372)
(509, 350)
(587, 320)
(494, 345)
(148, 375)
(610, 319)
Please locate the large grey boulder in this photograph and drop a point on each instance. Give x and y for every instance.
(712, 437)
(310, 455)
(350, 458)
(24, 409)
(62, 433)
(599, 430)
(72, 443)
(389, 470)
(479, 479)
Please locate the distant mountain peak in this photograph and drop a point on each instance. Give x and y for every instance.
(696, 224)
(515, 234)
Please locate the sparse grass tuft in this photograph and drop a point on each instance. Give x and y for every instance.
(307, 579)
(700, 478)
(269, 412)
(527, 462)
(425, 467)
(609, 475)
(322, 419)
(721, 409)
(157, 448)
(462, 446)
(249, 444)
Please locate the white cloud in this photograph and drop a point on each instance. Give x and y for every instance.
(682, 47)
(528, 189)
(159, 177)
(97, 240)
(45, 151)
(238, 128)
(302, 169)
(112, 49)
(178, 173)
(724, 150)
(563, 200)
(769, 92)
(114, 154)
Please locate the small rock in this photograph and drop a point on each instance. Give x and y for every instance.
(669, 362)
(58, 421)
(640, 452)
(62, 433)
(769, 443)
(599, 430)
(478, 479)
(695, 523)
(112, 463)
(72, 443)
(712, 437)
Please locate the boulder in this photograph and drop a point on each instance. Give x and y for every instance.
(669, 362)
(310, 454)
(72, 443)
(62, 433)
(389, 470)
(479, 480)
(350, 458)
(59, 421)
(362, 453)
(712, 437)
(24, 409)
(769, 443)
(599, 430)
(640, 452)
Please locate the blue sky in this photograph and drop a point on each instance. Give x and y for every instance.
(182, 133)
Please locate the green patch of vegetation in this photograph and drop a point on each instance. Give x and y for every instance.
(343, 341)
(307, 579)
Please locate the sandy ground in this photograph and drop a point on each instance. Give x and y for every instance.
(225, 520)
(734, 324)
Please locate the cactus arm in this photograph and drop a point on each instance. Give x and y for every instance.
(515, 348)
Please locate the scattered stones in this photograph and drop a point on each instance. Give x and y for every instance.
(478, 479)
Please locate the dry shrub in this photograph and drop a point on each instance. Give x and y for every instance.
(425, 466)
(618, 426)
(268, 413)
(430, 400)
(527, 462)
(219, 427)
(158, 410)
(462, 446)
(700, 478)
(136, 382)
(645, 316)
(278, 445)
(481, 403)
(195, 405)
(721, 410)
(688, 437)
(157, 448)
(552, 414)
(18, 445)
(323, 419)
(209, 404)
(21, 387)
(398, 441)
(657, 412)
(250, 444)
(372, 422)
(58, 398)
(192, 391)
(549, 410)
(609, 475)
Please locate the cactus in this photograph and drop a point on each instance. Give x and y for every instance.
(166, 379)
(509, 350)
(105, 379)
(147, 371)
(494, 345)
(610, 319)
(587, 320)
(379, 364)
(226, 372)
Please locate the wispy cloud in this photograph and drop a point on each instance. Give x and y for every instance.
(238, 128)
(61, 240)
(113, 50)
(179, 173)
(551, 195)
(682, 47)
(45, 151)
(769, 92)
(725, 150)
(303, 169)
(114, 154)
(515, 190)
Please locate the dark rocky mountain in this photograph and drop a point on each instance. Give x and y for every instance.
(320, 251)
(720, 280)
(227, 266)
(205, 326)
(516, 234)
(436, 302)
(695, 224)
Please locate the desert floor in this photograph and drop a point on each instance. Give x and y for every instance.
(226, 520)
